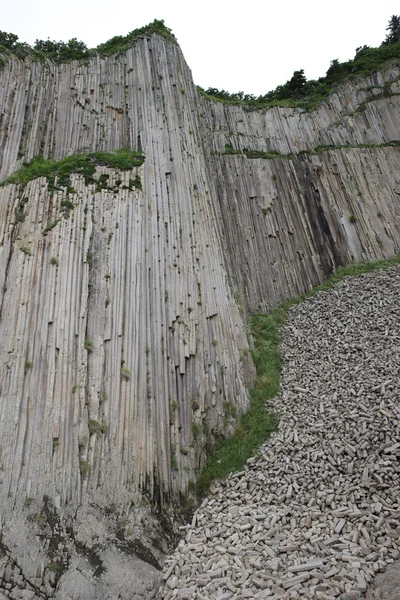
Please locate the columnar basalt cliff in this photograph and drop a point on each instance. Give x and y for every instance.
(123, 298)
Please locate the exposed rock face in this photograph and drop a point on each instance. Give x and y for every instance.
(122, 327)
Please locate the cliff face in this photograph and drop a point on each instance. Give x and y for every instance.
(122, 318)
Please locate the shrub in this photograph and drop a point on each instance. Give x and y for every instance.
(196, 430)
(19, 216)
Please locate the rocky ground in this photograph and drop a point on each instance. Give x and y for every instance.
(317, 513)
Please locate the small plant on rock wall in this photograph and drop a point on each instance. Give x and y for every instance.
(196, 430)
(96, 427)
(88, 345)
(55, 567)
(352, 218)
(135, 183)
(84, 468)
(195, 405)
(172, 410)
(125, 374)
(28, 365)
(19, 216)
(50, 226)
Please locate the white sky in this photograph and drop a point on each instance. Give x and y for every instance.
(249, 46)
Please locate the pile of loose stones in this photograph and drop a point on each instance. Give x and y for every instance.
(317, 513)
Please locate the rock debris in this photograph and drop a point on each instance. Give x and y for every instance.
(317, 513)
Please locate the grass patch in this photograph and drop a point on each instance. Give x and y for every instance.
(390, 143)
(84, 468)
(271, 154)
(125, 374)
(230, 455)
(88, 345)
(256, 424)
(55, 567)
(20, 216)
(50, 226)
(266, 155)
(96, 427)
(135, 183)
(58, 172)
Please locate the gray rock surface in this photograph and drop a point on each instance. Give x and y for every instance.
(387, 585)
(317, 513)
(123, 323)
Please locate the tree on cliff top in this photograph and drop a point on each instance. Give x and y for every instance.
(8, 40)
(393, 29)
(72, 50)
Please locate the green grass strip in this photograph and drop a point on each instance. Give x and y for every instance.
(254, 427)
(84, 164)
(256, 424)
(272, 154)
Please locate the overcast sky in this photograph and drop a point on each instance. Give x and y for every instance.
(249, 46)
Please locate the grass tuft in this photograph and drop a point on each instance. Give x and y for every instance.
(96, 427)
(84, 468)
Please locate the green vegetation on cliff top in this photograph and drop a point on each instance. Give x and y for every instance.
(297, 92)
(303, 93)
(84, 164)
(77, 50)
